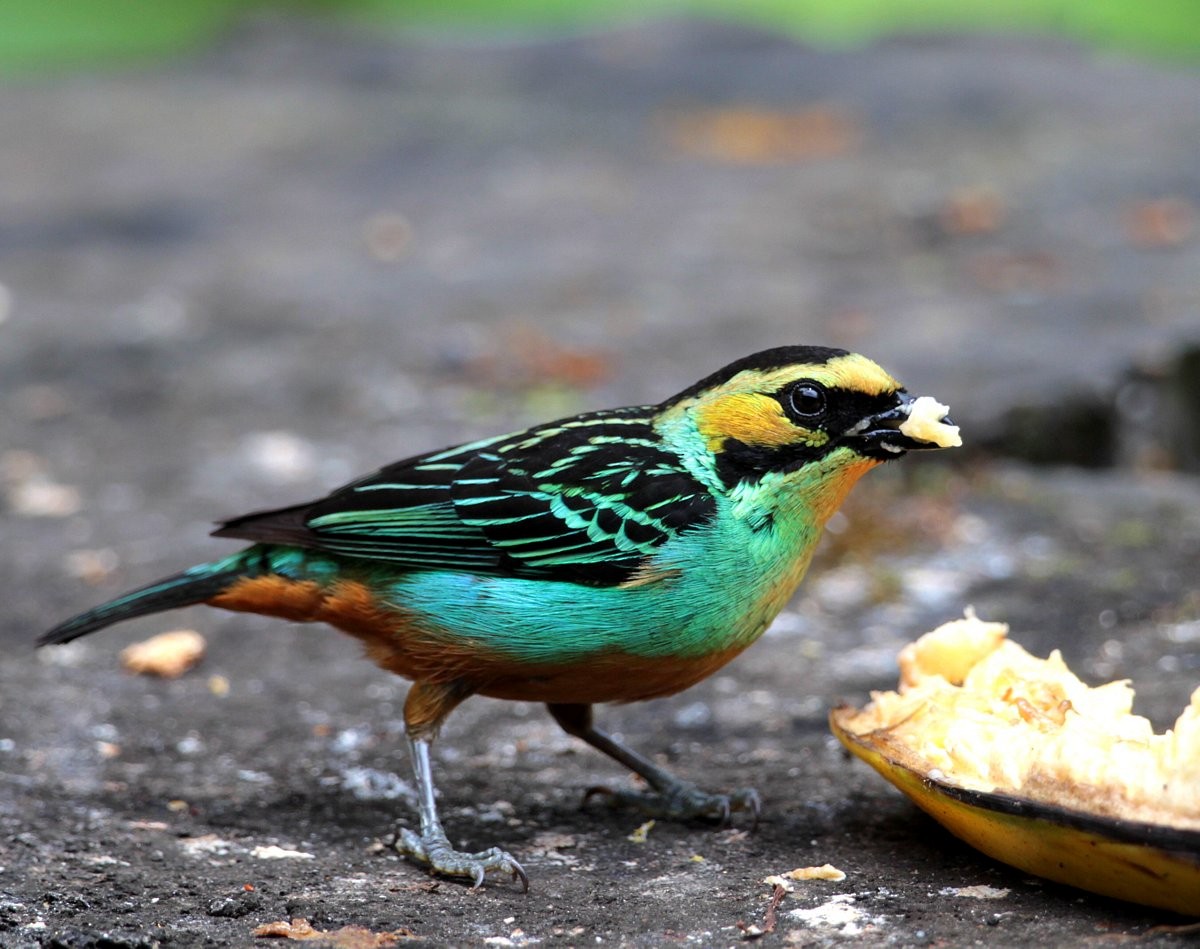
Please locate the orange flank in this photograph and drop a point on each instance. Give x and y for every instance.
(446, 669)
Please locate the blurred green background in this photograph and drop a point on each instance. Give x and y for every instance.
(46, 35)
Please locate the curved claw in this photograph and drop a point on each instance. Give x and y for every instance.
(435, 852)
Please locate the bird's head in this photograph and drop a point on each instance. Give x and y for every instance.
(806, 411)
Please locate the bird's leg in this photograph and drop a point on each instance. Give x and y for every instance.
(431, 847)
(668, 797)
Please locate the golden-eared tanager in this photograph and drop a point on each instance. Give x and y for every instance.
(612, 556)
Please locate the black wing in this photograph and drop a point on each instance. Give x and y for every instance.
(587, 499)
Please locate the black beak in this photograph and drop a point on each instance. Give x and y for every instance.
(879, 436)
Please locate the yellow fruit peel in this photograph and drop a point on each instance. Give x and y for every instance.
(1024, 761)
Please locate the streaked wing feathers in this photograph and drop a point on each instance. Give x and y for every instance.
(587, 499)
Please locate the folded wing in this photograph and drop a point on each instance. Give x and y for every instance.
(586, 500)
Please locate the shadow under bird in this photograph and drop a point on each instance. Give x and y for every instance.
(612, 556)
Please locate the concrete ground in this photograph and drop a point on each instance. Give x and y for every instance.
(240, 279)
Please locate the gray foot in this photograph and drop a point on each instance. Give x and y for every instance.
(682, 801)
(435, 852)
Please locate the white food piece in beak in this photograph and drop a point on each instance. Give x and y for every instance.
(924, 423)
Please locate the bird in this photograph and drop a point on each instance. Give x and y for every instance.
(612, 556)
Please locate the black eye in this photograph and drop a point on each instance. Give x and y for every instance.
(807, 400)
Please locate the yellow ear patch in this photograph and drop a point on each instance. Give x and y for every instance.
(753, 419)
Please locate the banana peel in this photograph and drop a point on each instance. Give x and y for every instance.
(1020, 759)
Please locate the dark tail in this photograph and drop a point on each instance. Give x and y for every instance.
(183, 589)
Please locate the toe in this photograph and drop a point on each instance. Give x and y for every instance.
(435, 853)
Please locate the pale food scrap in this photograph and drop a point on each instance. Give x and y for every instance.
(925, 423)
(825, 872)
(168, 655)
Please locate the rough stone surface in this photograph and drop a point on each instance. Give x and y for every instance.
(241, 279)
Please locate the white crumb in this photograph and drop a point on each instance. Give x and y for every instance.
(925, 424)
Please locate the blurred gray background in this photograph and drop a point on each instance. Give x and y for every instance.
(242, 272)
